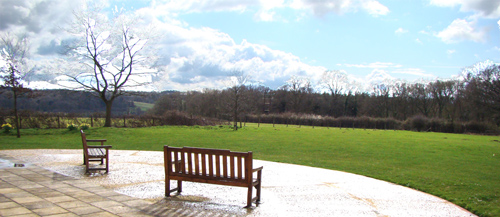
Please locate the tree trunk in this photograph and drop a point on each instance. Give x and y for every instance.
(235, 110)
(109, 104)
(16, 115)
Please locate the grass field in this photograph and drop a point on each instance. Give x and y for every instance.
(464, 169)
(144, 106)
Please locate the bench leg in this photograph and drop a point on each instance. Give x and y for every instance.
(249, 197)
(258, 193)
(258, 187)
(107, 163)
(167, 188)
(86, 162)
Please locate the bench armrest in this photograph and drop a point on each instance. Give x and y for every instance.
(103, 146)
(257, 169)
(96, 140)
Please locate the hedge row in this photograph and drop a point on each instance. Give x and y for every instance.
(30, 119)
(417, 123)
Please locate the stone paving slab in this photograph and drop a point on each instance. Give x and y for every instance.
(35, 191)
(53, 182)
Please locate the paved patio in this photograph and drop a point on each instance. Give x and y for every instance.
(52, 183)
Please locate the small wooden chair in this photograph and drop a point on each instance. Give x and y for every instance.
(95, 153)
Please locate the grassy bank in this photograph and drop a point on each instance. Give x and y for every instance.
(464, 169)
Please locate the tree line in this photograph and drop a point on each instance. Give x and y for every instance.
(474, 98)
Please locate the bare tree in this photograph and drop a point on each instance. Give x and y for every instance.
(238, 81)
(483, 82)
(382, 92)
(298, 88)
(336, 82)
(401, 98)
(14, 52)
(420, 94)
(442, 93)
(110, 55)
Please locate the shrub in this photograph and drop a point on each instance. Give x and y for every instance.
(480, 128)
(419, 123)
(84, 126)
(72, 127)
(6, 127)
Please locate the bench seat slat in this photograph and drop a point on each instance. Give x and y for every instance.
(97, 152)
(209, 180)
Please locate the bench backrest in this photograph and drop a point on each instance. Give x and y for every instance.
(208, 165)
(84, 140)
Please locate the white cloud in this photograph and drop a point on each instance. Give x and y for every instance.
(265, 9)
(449, 52)
(461, 30)
(41, 20)
(418, 41)
(203, 57)
(196, 6)
(400, 31)
(413, 71)
(321, 8)
(374, 8)
(483, 8)
(375, 65)
(379, 75)
(424, 32)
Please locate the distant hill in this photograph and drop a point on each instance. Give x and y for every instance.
(68, 101)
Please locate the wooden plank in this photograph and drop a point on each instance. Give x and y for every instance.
(176, 160)
(209, 180)
(231, 158)
(217, 165)
(224, 166)
(210, 164)
(240, 168)
(183, 163)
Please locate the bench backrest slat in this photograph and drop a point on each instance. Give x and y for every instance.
(209, 163)
(217, 165)
(240, 168)
(84, 142)
(190, 164)
(231, 171)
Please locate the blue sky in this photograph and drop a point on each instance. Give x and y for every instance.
(275, 40)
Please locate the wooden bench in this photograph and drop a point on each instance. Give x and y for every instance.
(95, 153)
(212, 166)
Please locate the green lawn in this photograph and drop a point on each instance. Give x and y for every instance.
(144, 106)
(464, 169)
